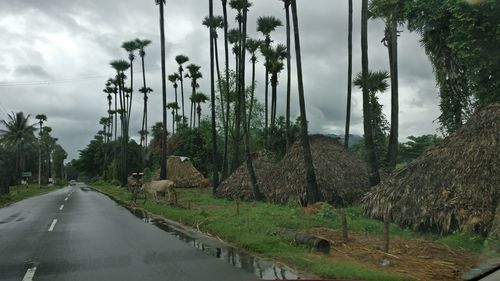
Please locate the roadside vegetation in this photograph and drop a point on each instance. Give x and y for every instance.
(255, 227)
(21, 192)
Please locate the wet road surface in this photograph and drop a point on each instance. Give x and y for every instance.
(78, 234)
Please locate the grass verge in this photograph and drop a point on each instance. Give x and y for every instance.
(20, 192)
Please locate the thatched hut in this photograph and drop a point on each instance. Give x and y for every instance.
(341, 178)
(453, 186)
(238, 186)
(181, 171)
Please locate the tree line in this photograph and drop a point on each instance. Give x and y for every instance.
(240, 124)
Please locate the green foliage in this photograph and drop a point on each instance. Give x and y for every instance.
(415, 146)
(18, 193)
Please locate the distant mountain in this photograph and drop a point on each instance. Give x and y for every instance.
(353, 139)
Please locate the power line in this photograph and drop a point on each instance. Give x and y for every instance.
(60, 81)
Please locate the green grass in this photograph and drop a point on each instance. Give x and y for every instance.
(20, 192)
(257, 225)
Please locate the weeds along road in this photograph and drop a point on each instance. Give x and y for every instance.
(78, 234)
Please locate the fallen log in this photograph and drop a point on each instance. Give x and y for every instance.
(317, 244)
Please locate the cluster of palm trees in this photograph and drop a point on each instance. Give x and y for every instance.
(18, 136)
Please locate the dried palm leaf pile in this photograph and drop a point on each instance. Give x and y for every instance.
(341, 178)
(181, 171)
(452, 186)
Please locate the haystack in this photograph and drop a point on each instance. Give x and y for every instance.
(238, 186)
(342, 179)
(453, 186)
(181, 171)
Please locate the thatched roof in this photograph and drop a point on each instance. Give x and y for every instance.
(495, 228)
(341, 177)
(452, 186)
(181, 171)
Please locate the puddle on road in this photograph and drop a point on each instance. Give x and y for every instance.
(263, 268)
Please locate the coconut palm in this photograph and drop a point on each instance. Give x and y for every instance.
(368, 134)
(163, 158)
(182, 59)
(349, 78)
(130, 47)
(266, 25)
(312, 191)
(17, 133)
(252, 47)
(274, 65)
(141, 45)
(174, 107)
(194, 74)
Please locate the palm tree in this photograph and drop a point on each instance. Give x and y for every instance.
(266, 25)
(393, 15)
(377, 83)
(246, 134)
(312, 186)
(16, 134)
(181, 59)
(163, 160)
(195, 74)
(274, 65)
(173, 78)
(349, 79)
(145, 91)
(226, 55)
(174, 107)
(109, 90)
(214, 51)
(130, 47)
(288, 72)
(252, 47)
(141, 45)
(198, 99)
(370, 146)
(41, 118)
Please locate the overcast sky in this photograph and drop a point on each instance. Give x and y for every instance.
(55, 54)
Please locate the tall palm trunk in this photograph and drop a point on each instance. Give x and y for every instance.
(182, 93)
(116, 112)
(129, 106)
(266, 94)
(163, 158)
(274, 89)
(312, 191)
(288, 74)
(219, 81)
(124, 138)
(198, 110)
(145, 112)
(226, 124)
(252, 97)
(349, 80)
(246, 133)
(370, 146)
(173, 121)
(392, 152)
(237, 126)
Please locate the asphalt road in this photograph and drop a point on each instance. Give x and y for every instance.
(78, 234)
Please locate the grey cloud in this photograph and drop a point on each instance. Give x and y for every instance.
(31, 70)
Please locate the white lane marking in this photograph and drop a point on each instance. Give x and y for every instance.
(53, 225)
(66, 199)
(30, 273)
(60, 208)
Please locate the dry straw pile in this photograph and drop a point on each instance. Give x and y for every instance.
(342, 178)
(181, 171)
(453, 186)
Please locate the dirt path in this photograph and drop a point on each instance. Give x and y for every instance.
(423, 260)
